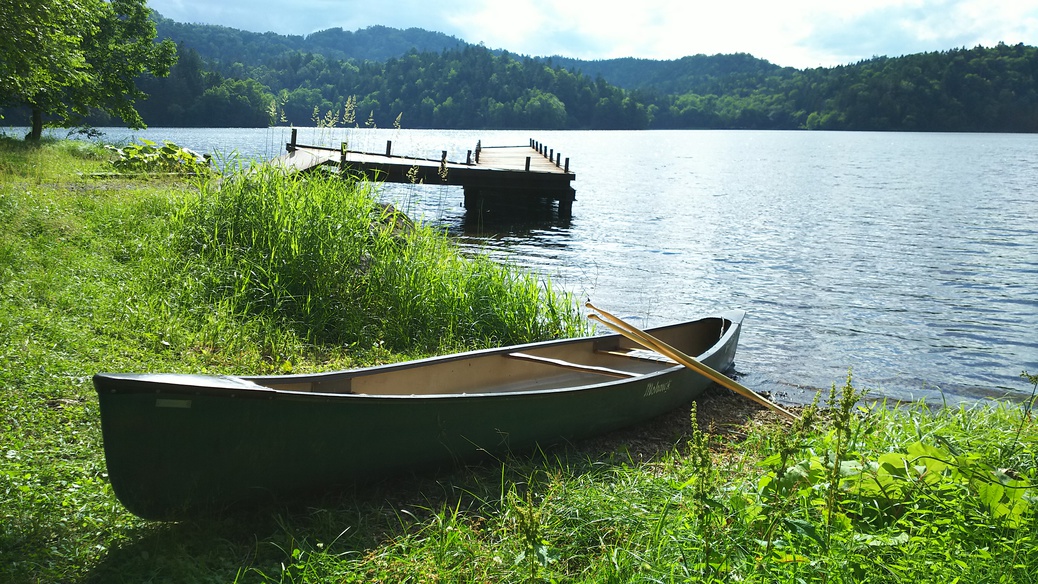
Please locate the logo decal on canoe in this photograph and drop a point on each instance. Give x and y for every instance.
(656, 388)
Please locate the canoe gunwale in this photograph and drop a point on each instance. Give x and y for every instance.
(252, 387)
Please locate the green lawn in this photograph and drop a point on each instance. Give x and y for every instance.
(207, 275)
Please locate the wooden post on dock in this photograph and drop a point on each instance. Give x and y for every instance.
(292, 145)
(389, 147)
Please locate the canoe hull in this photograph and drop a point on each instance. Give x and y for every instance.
(177, 445)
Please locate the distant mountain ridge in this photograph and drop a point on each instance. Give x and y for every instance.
(433, 80)
(699, 73)
(221, 44)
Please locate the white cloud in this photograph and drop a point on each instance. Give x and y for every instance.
(799, 33)
(934, 25)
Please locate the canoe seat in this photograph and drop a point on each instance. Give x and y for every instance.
(573, 366)
(640, 354)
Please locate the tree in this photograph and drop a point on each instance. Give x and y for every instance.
(234, 104)
(39, 42)
(63, 57)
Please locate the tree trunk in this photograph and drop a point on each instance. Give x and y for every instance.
(36, 133)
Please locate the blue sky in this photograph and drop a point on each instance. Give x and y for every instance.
(796, 33)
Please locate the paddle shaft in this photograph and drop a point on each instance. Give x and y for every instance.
(650, 342)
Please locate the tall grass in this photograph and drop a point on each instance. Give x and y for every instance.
(321, 257)
(49, 161)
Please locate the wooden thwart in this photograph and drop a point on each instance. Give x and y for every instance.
(574, 366)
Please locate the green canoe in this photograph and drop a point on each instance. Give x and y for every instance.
(176, 445)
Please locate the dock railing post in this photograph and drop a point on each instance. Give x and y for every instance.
(292, 145)
(342, 157)
(468, 158)
(527, 164)
(389, 147)
(567, 164)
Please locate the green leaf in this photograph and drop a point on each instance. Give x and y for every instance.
(804, 528)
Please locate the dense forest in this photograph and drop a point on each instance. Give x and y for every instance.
(228, 45)
(419, 79)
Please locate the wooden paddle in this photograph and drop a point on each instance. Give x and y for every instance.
(652, 343)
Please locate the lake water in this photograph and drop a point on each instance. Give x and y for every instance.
(910, 258)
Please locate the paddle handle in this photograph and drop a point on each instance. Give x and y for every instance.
(650, 342)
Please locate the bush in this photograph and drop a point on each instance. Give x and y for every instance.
(149, 157)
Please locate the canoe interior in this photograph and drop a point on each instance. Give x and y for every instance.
(543, 366)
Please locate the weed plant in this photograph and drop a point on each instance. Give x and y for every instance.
(149, 157)
(262, 271)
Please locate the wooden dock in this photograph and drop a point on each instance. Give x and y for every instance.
(491, 176)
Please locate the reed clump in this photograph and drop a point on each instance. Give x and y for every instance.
(319, 256)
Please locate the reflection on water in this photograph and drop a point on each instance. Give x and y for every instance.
(501, 218)
(911, 258)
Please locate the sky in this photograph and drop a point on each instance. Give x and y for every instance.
(792, 33)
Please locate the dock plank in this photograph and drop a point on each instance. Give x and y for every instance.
(514, 158)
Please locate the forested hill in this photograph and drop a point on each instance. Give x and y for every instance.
(220, 44)
(696, 74)
(382, 76)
